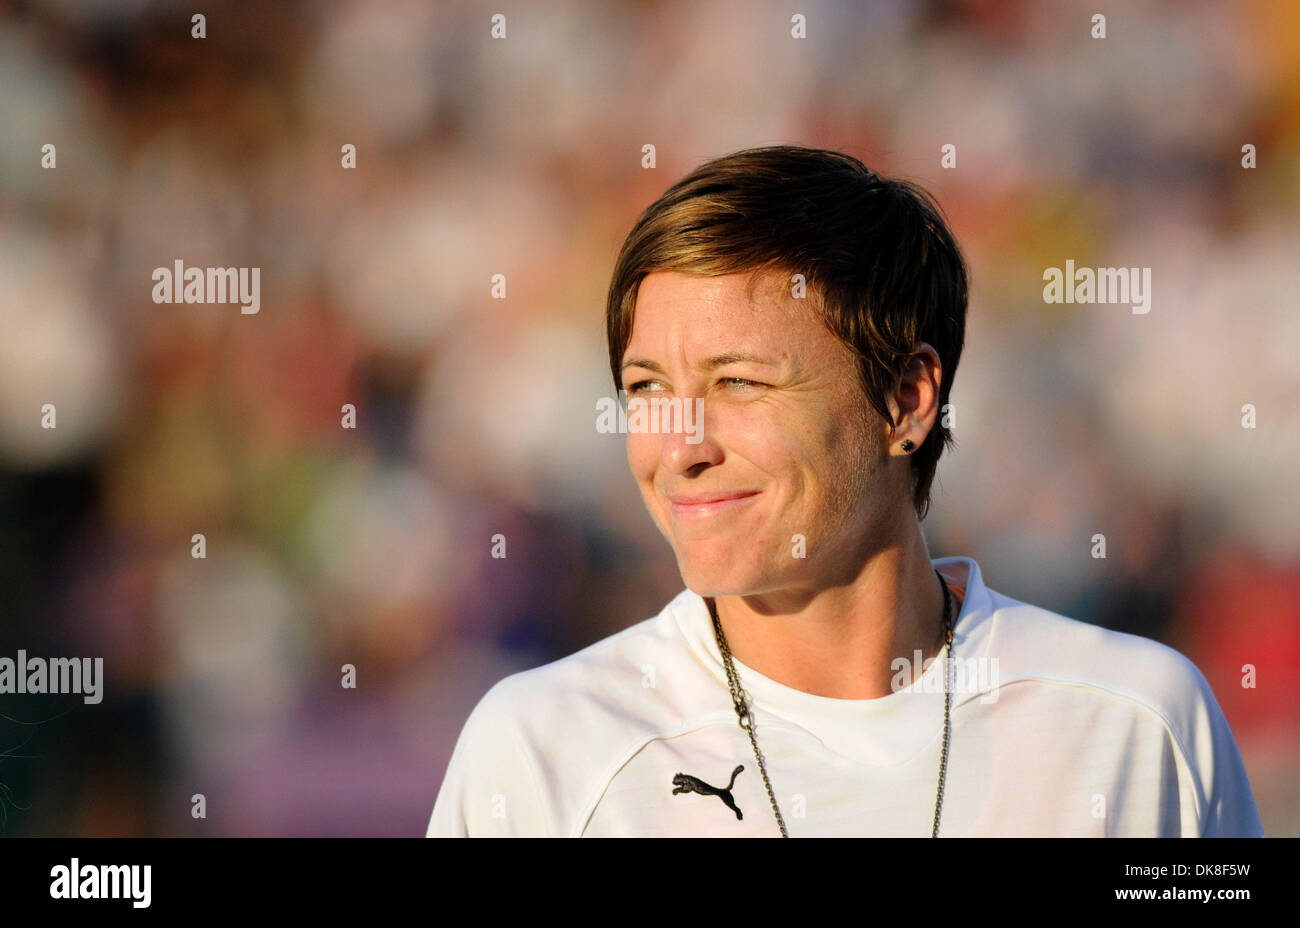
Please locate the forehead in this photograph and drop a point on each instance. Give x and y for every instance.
(693, 313)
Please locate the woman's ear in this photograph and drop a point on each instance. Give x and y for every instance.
(916, 391)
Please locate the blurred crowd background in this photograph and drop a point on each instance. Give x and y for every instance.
(522, 156)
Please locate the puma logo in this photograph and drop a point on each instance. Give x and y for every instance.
(685, 783)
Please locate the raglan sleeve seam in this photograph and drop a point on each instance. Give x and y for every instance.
(1189, 771)
(1186, 769)
(531, 766)
(1217, 744)
(1209, 761)
(490, 749)
(1231, 783)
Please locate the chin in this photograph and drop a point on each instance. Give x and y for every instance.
(718, 579)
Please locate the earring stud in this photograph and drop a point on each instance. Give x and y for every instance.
(907, 445)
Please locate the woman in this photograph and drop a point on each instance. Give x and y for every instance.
(817, 314)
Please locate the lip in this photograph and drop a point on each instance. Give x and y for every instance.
(711, 504)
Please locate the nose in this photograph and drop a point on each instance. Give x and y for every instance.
(687, 445)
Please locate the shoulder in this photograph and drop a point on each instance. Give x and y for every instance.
(564, 729)
(1158, 684)
(1036, 644)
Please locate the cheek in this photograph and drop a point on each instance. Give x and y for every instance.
(813, 466)
(643, 455)
(850, 471)
(781, 459)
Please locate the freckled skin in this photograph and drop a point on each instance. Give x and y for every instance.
(801, 434)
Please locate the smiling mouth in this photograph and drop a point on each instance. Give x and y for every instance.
(702, 507)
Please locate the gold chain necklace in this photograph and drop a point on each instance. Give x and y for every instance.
(746, 717)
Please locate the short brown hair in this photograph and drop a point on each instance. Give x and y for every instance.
(876, 255)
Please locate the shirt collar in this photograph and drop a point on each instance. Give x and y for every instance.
(885, 731)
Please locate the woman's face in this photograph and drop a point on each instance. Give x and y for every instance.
(789, 488)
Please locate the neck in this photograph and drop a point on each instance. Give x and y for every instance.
(842, 641)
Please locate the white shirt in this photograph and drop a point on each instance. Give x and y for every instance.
(1058, 728)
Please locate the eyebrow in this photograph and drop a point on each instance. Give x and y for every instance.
(716, 361)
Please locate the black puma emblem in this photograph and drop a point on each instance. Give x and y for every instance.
(685, 783)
